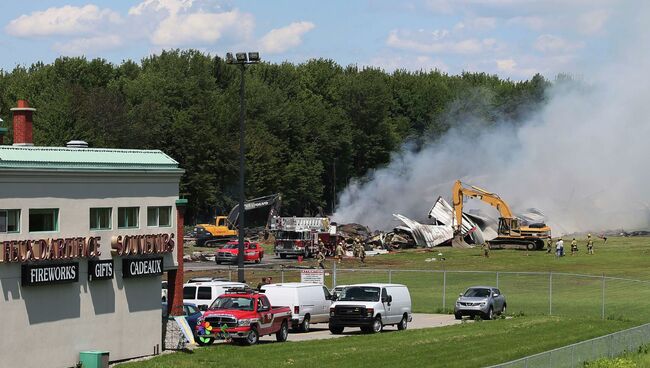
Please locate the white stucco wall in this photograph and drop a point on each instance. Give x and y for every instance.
(47, 326)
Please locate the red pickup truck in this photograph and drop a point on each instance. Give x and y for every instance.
(253, 252)
(243, 315)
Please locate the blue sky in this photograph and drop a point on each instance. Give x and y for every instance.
(512, 38)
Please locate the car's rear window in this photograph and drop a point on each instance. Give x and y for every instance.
(205, 292)
(189, 292)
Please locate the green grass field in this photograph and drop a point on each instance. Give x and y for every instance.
(528, 292)
(576, 308)
(465, 345)
(640, 359)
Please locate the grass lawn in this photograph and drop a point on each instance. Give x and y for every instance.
(527, 294)
(466, 345)
(640, 359)
(576, 308)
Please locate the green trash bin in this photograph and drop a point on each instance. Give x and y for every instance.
(93, 359)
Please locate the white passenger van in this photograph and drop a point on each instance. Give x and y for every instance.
(371, 307)
(309, 303)
(202, 294)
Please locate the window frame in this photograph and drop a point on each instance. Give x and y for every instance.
(8, 212)
(110, 218)
(137, 217)
(158, 209)
(56, 220)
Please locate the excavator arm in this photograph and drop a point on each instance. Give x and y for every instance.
(474, 192)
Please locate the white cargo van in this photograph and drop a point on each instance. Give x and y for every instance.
(202, 294)
(371, 307)
(309, 303)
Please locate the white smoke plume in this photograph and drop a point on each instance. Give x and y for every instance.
(582, 158)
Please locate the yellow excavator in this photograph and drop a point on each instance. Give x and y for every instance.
(510, 234)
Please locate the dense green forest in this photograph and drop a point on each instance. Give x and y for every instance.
(310, 127)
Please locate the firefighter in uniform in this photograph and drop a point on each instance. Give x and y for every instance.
(574, 246)
(320, 258)
(339, 251)
(590, 244)
(361, 251)
(355, 248)
(549, 245)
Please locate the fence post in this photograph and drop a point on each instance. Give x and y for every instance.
(603, 301)
(444, 290)
(282, 276)
(497, 279)
(390, 276)
(333, 274)
(550, 293)
(229, 275)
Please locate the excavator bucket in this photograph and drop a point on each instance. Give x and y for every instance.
(459, 242)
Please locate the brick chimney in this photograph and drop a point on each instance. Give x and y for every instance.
(23, 124)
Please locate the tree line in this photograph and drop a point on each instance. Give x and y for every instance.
(310, 127)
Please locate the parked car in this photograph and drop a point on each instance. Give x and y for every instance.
(243, 315)
(253, 252)
(191, 314)
(371, 307)
(202, 294)
(309, 303)
(484, 301)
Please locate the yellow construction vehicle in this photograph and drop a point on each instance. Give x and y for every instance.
(510, 234)
(259, 212)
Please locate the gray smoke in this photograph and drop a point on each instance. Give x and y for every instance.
(581, 158)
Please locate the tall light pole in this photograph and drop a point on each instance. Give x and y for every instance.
(241, 59)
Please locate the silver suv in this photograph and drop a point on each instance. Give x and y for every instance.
(484, 301)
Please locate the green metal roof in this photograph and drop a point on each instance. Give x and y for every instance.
(96, 159)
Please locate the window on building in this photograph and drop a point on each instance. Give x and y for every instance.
(9, 221)
(127, 217)
(100, 218)
(44, 219)
(159, 216)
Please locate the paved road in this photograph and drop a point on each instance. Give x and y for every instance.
(320, 331)
(266, 262)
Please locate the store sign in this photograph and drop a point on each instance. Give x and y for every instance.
(46, 274)
(55, 249)
(142, 244)
(49, 249)
(139, 267)
(100, 270)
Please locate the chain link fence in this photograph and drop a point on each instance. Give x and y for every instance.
(575, 355)
(527, 293)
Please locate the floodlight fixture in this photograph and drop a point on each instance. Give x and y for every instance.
(229, 58)
(241, 57)
(254, 57)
